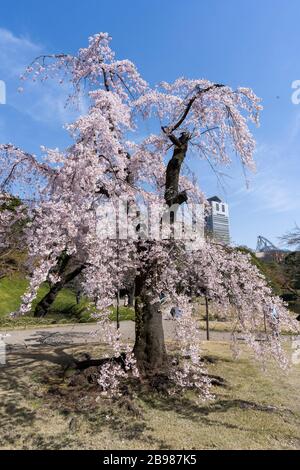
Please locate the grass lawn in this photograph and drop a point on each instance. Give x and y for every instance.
(64, 309)
(255, 410)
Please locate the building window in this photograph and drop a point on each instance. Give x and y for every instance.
(217, 207)
(223, 208)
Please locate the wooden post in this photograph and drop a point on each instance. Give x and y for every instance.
(118, 309)
(265, 323)
(118, 281)
(207, 318)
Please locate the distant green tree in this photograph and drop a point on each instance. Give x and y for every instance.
(292, 269)
(292, 264)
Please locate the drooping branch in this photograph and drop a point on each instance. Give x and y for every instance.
(41, 58)
(23, 157)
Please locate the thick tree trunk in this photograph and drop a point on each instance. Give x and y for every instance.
(45, 303)
(149, 350)
(131, 295)
(172, 194)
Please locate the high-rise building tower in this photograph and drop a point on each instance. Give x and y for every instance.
(217, 221)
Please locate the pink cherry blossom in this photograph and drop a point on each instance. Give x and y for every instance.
(63, 190)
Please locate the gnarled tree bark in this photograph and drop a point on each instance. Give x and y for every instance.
(149, 349)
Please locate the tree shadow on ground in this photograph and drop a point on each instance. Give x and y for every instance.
(20, 384)
(189, 409)
(24, 357)
(127, 427)
(13, 413)
(60, 338)
(18, 416)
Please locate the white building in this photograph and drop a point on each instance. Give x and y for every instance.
(217, 221)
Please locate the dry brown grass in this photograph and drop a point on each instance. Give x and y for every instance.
(255, 411)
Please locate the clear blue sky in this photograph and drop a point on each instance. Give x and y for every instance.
(251, 43)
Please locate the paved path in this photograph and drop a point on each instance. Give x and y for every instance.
(84, 333)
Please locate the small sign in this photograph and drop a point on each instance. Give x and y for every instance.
(296, 351)
(2, 352)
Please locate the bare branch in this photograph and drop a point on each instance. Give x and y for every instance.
(189, 105)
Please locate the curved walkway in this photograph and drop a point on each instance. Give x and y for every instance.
(86, 333)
